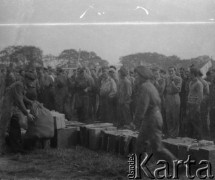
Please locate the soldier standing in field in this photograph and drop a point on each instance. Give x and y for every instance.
(83, 86)
(47, 86)
(195, 97)
(124, 99)
(204, 106)
(160, 84)
(60, 90)
(108, 91)
(183, 98)
(172, 102)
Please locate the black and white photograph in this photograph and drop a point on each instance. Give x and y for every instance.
(107, 89)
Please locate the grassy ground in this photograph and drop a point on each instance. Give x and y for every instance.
(78, 163)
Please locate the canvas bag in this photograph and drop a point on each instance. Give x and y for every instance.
(43, 125)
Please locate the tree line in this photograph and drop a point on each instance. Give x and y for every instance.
(14, 56)
(19, 56)
(162, 61)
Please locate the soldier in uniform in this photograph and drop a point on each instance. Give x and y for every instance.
(124, 99)
(148, 111)
(132, 80)
(10, 78)
(47, 90)
(60, 90)
(114, 75)
(94, 95)
(195, 97)
(108, 91)
(32, 86)
(82, 87)
(160, 84)
(14, 98)
(172, 102)
(204, 106)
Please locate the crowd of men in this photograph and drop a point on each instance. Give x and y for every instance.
(107, 94)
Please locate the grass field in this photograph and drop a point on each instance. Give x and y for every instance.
(78, 163)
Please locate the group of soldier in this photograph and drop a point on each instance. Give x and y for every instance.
(170, 103)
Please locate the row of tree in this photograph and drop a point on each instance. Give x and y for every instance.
(33, 56)
(21, 55)
(162, 61)
(30, 55)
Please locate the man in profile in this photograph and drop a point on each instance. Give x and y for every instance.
(148, 113)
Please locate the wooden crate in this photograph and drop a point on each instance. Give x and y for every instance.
(66, 137)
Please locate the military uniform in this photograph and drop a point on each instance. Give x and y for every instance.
(172, 105)
(32, 89)
(60, 92)
(82, 87)
(93, 95)
(205, 108)
(124, 100)
(148, 111)
(47, 88)
(183, 107)
(194, 123)
(160, 86)
(108, 91)
(14, 97)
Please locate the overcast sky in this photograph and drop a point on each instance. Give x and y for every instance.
(111, 41)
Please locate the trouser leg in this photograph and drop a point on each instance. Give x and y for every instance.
(158, 149)
(204, 119)
(15, 138)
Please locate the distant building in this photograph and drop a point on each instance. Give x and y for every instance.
(203, 63)
(204, 69)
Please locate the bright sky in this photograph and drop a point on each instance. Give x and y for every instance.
(111, 41)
